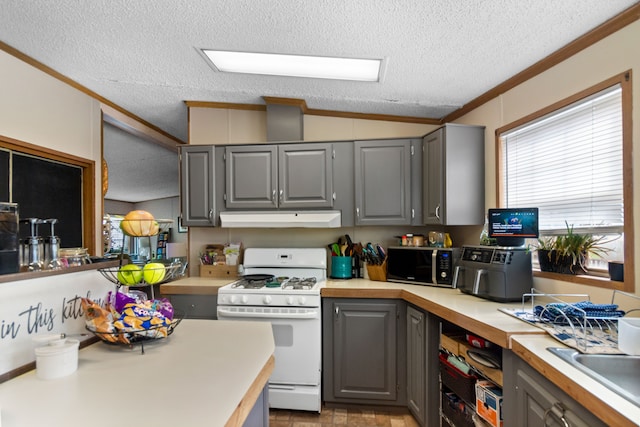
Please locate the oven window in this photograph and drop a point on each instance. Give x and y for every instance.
(283, 335)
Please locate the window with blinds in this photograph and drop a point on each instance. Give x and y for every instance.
(569, 164)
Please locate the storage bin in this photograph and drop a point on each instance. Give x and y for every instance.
(456, 411)
(489, 402)
(457, 381)
(377, 272)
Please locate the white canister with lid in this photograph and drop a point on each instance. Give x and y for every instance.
(629, 335)
(57, 360)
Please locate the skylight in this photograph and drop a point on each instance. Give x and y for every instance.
(318, 67)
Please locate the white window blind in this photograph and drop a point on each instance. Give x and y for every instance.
(569, 165)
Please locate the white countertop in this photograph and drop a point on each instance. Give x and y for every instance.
(482, 317)
(200, 375)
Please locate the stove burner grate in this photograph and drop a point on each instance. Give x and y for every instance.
(249, 284)
(298, 283)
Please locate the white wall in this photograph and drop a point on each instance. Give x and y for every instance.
(41, 110)
(607, 58)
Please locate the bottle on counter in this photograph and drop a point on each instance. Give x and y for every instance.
(448, 243)
(484, 234)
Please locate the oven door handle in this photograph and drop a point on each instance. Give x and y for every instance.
(307, 314)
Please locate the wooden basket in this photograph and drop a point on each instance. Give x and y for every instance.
(377, 272)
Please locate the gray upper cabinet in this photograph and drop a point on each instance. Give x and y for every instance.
(251, 177)
(383, 182)
(286, 176)
(197, 185)
(305, 176)
(453, 175)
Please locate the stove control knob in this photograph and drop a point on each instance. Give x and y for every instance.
(232, 299)
(244, 299)
(289, 300)
(302, 300)
(267, 299)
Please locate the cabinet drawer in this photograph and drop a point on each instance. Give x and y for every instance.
(196, 306)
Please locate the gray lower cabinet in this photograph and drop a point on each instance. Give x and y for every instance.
(364, 341)
(422, 366)
(453, 175)
(416, 363)
(195, 306)
(383, 182)
(197, 185)
(531, 400)
(259, 415)
(284, 176)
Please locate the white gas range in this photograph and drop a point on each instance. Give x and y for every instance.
(282, 286)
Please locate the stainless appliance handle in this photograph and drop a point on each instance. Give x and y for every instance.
(229, 312)
(476, 282)
(434, 266)
(454, 284)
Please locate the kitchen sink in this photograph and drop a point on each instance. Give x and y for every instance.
(619, 373)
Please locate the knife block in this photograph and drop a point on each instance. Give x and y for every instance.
(377, 272)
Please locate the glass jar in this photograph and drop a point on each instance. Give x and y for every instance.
(74, 257)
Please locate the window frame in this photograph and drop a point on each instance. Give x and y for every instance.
(625, 81)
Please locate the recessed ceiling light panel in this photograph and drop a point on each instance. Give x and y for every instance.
(318, 67)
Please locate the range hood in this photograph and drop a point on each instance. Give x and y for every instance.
(281, 219)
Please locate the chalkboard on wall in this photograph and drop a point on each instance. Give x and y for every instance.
(4, 175)
(49, 189)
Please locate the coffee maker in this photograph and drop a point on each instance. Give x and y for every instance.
(497, 273)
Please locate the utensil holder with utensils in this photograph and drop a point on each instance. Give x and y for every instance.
(341, 267)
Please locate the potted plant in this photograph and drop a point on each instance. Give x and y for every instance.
(569, 253)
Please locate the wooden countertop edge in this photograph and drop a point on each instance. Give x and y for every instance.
(585, 397)
(497, 336)
(243, 409)
(169, 289)
(16, 277)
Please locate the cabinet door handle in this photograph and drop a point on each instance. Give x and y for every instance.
(438, 211)
(358, 212)
(281, 195)
(210, 215)
(556, 411)
(273, 195)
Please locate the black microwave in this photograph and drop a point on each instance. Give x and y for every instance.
(422, 265)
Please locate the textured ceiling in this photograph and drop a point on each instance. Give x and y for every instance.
(438, 54)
